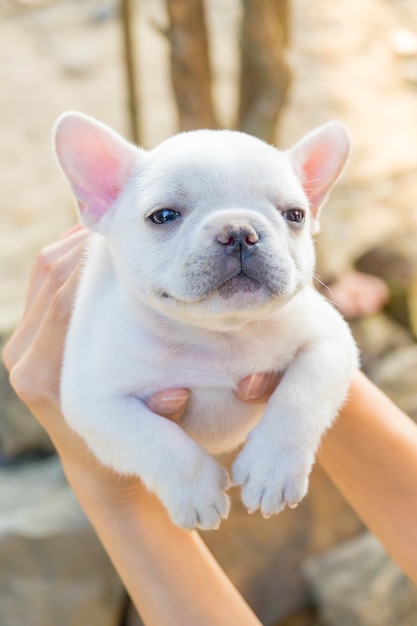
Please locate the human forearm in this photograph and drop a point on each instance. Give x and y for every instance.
(169, 573)
(371, 456)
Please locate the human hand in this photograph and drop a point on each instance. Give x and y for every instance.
(33, 354)
(357, 294)
(255, 388)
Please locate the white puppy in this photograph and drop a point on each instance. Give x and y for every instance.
(199, 273)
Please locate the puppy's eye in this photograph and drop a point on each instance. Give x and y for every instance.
(163, 216)
(295, 215)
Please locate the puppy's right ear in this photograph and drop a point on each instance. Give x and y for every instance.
(318, 160)
(96, 161)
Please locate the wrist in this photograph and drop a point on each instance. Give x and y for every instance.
(99, 487)
(94, 485)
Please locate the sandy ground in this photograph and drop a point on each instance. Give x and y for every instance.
(355, 61)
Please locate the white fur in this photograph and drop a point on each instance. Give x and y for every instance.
(159, 306)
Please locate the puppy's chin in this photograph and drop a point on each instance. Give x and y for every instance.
(240, 286)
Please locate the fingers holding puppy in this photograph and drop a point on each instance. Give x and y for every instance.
(33, 354)
(256, 388)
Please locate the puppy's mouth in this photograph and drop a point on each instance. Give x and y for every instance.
(239, 283)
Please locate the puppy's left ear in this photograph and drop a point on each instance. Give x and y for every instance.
(318, 160)
(97, 162)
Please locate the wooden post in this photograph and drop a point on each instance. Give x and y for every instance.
(190, 65)
(265, 75)
(129, 63)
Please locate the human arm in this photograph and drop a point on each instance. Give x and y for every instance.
(169, 573)
(370, 454)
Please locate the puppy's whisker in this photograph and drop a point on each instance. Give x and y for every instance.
(253, 337)
(330, 297)
(318, 279)
(312, 188)
(313, 180)
(204, 341)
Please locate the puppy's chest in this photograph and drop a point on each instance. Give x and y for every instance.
(217, 362)
(214, 416)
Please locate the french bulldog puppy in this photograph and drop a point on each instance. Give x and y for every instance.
(199, 273)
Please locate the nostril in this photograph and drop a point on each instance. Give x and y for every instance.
(251, 238)
(226, 240)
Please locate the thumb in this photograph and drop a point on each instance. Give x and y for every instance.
(169, 403)
(257, 388)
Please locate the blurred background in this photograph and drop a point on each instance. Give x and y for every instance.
(276, 69)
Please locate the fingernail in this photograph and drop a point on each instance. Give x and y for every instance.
(168, 401)
(255, 386)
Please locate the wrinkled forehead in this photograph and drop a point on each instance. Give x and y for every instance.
(218, 166)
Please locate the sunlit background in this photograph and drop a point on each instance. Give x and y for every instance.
(355, 61)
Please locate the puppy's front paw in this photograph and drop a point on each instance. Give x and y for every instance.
(200, 500)
(271, 478)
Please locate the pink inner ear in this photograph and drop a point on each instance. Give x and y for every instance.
(319, 159)
(96, 161)
(93, 206)
(101, 186)
(317, 176)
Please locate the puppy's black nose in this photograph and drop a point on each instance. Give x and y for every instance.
(238, 240)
